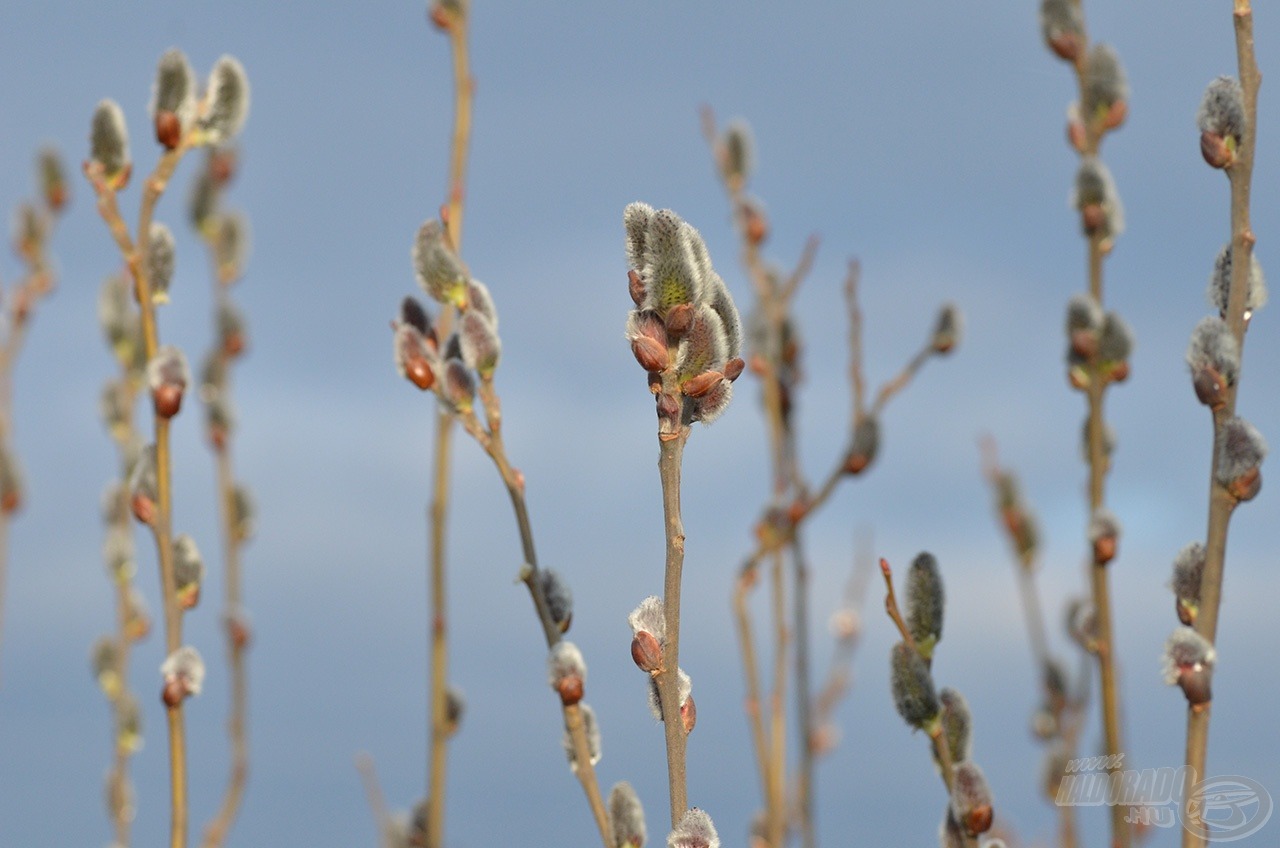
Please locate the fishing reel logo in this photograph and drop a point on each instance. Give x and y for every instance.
(1218, 809)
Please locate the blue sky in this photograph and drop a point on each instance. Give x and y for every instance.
(930, 145)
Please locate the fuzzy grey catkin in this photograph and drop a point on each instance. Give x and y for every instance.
(957, 723)
(1241, 449)
(174, 89)
(1104, 80)
(694, 830)
(635, 220)
(591, 728)
(188, 565)
(947, 329)
(1221, 110)
(1219, 289)
(1103, 524)
(650, 617)
(226, 101)
(1059, 20)
(1188, 568)
(670, 269)
(1094, 186)
(1186, 650)
(626, 817)
(439, 271)
(109, 139)
(737, 147)
(186, 666)
(1213, 346)
(925, 601)
(1116, 342)
(481, 347)
(912, 685)
(559, 598)
(161, 259)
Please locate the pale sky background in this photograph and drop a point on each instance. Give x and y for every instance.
(928, 143)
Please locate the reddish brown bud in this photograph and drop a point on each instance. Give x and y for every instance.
(1186, 611)
(668, 406)
(1084, 343)
(1066, 45)
(733, 368)
(10, 502)
(688, 714)
(239, 633)
(1076, 135)
(797, 511)
(570, 689)
(419, 372)
(635, 287)
(755, 225)
(233, 345)
(701, 384)
(1116, 114)
(189, 597)
(758, 365)
(144, 509)
(655, 382)
(168, 129)
(679, 319)
(167, 399)
(1211, 389)
(1078, 377)
(439, 17)
(222, 165)
(1104, 550)
(1216, 151)
(1247, 485)
(1119, 372)
(1094, 217)
(651, 355)
(646, 652)
(173, 693)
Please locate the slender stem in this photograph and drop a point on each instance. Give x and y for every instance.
(135, 255)
(437, 694)
(586, 771)
(217, 829)
(670, 457)
(377, 802)
(777, 825)
(742, 616)
(804, 703)
(1221, 503)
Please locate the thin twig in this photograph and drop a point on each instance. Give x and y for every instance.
(377, 802)
(458, 26)
(668, 680)
(1221, 503)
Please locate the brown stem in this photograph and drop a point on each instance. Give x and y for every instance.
(669, 460)
(216, 830)
(135, 255)
(1221, 504)
(777, 824)
(751, 672)
(377, 802)
(586, 771)
(804, 703)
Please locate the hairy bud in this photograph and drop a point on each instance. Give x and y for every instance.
(864, 446)
(1222, 122)
(1082, 624)
(559, 598)
(1213, 356)
(51, 176)
(670, 270)
(971, 799)
(1106, 90)
(226, 101)
(1219, 290)
(183, 673)
(109, 144)
(912, 685)
(167, 377)
(592, 731)
(1188, 663)
(1188, 568)
(567, 672)
(1104, 535)
(143, 487)
(1062, 25)
(926, 601)
(649, 633)
(635, 220)
(626, 817)
(459, 387)
(161, 257)
(481, 347)
(736, 152)
(957, 723)
(188, 571)
(173, 98)
(1096, 198)
(695, 830)
(947, 329)
(684, 693)
(1241, 450)
(440, 272)
(105, 661)
(230, 243)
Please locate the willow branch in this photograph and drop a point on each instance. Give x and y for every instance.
(670, 456)
(1221, 503)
